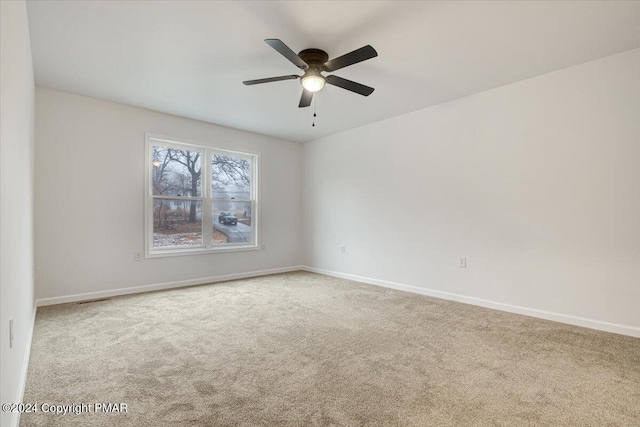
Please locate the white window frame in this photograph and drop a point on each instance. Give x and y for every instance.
(206, 199)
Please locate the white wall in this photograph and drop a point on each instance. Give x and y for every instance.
(16, 200)
(537, 183)
(89, 197)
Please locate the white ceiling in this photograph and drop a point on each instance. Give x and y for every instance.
(190, 58)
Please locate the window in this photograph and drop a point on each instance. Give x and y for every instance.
(199, 199)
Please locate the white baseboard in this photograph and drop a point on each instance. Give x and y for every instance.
(542, 314)
(557, 317)
(22, 382)
(160, 286)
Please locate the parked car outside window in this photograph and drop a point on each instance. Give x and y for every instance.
(227, 218)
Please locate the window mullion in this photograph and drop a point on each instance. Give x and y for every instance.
(170, 197)
(217, 199)
(207, 211)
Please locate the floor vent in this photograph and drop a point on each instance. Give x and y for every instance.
(93, 300)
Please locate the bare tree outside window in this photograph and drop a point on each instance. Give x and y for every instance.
(230, 176)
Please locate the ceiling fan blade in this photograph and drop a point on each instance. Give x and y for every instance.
(270, 79)
(358, 55)
(285, 51)
(305, 99)
(349, 85)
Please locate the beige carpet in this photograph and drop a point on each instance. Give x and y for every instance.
(302, 349)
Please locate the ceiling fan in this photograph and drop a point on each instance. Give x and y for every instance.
(314, 62)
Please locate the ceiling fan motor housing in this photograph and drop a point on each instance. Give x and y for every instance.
(314, 57)
(313, 80)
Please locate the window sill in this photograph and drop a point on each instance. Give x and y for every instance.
(200, 251)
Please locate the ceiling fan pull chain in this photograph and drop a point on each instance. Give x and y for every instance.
(314, 112)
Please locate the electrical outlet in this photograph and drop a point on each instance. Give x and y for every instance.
(343, 249)
(11, 333)
(137, 256)
(462, 262)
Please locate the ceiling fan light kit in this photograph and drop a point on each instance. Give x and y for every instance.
(314, 62)
(312, 81)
